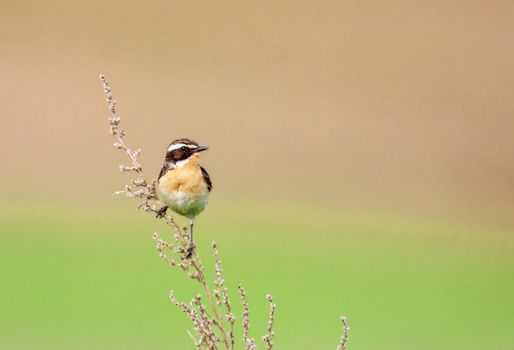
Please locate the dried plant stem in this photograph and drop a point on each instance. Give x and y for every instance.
(250, 344)
(210, 328)
(344, 338)
(222, 296)
(141, 188)
(219, 320)
(230, 316)
(267, 339)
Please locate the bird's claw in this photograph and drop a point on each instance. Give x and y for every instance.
(190, 251)
(161, 212)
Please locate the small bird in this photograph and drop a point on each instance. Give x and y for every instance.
(183, 185)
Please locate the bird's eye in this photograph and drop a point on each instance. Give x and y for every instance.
(183, 148)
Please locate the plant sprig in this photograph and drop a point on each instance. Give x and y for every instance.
(213, 325)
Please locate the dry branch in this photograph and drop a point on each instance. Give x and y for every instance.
(213, 326)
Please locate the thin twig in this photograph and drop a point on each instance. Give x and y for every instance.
(219, 320)
(344, 338)
(222, 296)
(249, 342)
(268, 338)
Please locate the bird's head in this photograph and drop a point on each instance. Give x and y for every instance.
(182, 149)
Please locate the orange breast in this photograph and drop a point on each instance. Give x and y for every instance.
(187, 178)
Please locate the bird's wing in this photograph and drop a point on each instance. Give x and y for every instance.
(206, 178)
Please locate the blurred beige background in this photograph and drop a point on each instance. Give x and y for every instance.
(402, 107)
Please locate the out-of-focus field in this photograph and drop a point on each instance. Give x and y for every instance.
(91, 279)
(314, 112)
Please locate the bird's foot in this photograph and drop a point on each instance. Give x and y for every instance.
(161, 212)
(190, 251)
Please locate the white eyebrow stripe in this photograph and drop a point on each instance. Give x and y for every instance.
(179, 145)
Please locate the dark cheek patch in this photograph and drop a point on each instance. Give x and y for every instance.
(176, 155)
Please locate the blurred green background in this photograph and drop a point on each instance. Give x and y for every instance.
(361, 154)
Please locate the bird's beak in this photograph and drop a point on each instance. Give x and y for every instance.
(201, 148)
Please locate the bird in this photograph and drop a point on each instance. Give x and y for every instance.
(183, 184)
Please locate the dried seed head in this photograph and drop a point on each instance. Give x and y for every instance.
(267, 338)
(344, 338)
